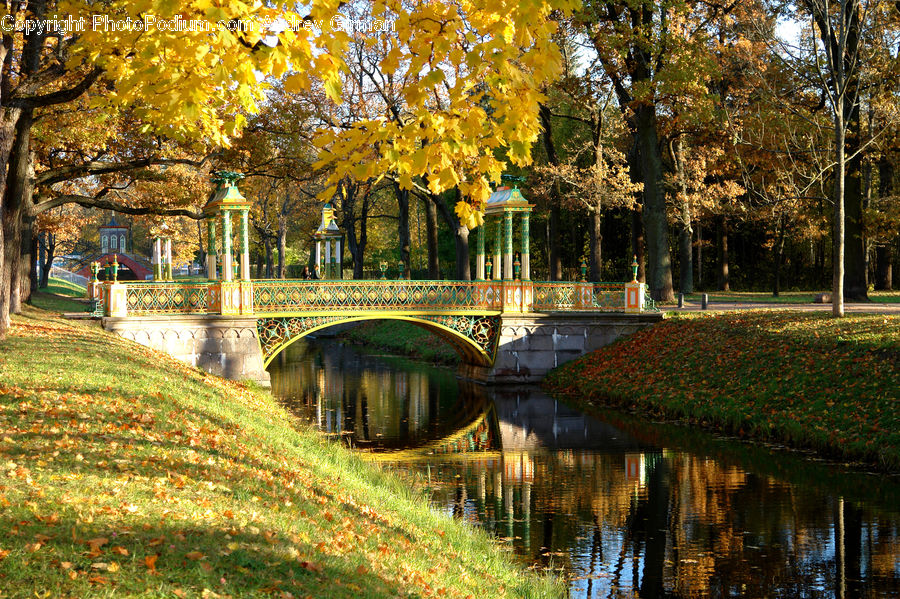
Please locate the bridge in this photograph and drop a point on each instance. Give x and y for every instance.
(508, 331)
(505, 327)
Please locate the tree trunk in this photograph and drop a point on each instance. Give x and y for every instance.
(884, 264)
(463, 272)
(403, 228)
(431, 234)
(267, 246)
(596, 237)
(685, 234)
(856, 284)
(686, 257)
(15, 142)
(555, 259)
(636, 225)
(637, 244)
(356, 242)
(724, 282)
(48, 253)
(282, 247)
(553, 241)
(778, 247)
(28, 273)
(461, 234)
(654, 213)
(884, 253)
(15, 198)
(202, 255)
(837, 291)
(699, 261)
(7, 136)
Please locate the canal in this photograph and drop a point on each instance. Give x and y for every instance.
(617, 505)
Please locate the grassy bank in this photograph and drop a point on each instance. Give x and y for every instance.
(126, 473)
(403, 338)
(807, 380)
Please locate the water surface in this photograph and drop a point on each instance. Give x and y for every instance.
(619, 506)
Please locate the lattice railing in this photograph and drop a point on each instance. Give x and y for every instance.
(304, 296)
(555, 295)
(167, 298)
(608, 297)
(567, 296)
(285, 297)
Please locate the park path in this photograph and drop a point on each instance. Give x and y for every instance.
(858, 308)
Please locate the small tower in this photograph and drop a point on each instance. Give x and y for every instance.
(503, 205)
(226, 201)
(113, 237)
(328, 233)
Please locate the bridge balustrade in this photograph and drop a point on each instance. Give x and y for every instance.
(278, 297)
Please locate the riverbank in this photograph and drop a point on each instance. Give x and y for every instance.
(128, 473)
(403, 338)
(803, 379)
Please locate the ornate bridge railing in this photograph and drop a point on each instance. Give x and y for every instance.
(144, 299)
(298, 297)
(568, 296)
(312, 296)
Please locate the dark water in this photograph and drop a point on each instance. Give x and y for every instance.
(619, 506)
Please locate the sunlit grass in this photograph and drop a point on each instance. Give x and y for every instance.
(126, 473)
(60, 296)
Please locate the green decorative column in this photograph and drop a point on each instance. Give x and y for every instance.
(245, 245)
(211, 248)
(507, 246)
(227, 269)
(526, 247)
(479, 253)
(498, 248)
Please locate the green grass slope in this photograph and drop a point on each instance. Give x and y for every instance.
(128, 474)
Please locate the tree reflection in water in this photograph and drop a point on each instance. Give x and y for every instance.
(619, 506)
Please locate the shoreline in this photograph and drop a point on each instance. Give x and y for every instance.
(802, 380)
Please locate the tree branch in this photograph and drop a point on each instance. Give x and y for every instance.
(60, 97)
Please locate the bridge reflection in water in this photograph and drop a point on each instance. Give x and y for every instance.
(617, 513)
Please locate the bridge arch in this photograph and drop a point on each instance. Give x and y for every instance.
(473, 336)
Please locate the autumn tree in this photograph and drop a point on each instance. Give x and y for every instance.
(196, 82)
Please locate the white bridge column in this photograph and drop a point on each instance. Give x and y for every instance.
(328, 274)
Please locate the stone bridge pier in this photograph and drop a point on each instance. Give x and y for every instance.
(227, 346)
(530, 345)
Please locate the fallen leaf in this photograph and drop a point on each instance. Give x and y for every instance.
(120, 550)
(65, 565)
(310, 566)
(32, 547)
(194, 555)
(362, 570)
(150, 562)
(98, 580)
(4, 553)
(113, 567)
(206, 566)
(96, 544)
(103, 566)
